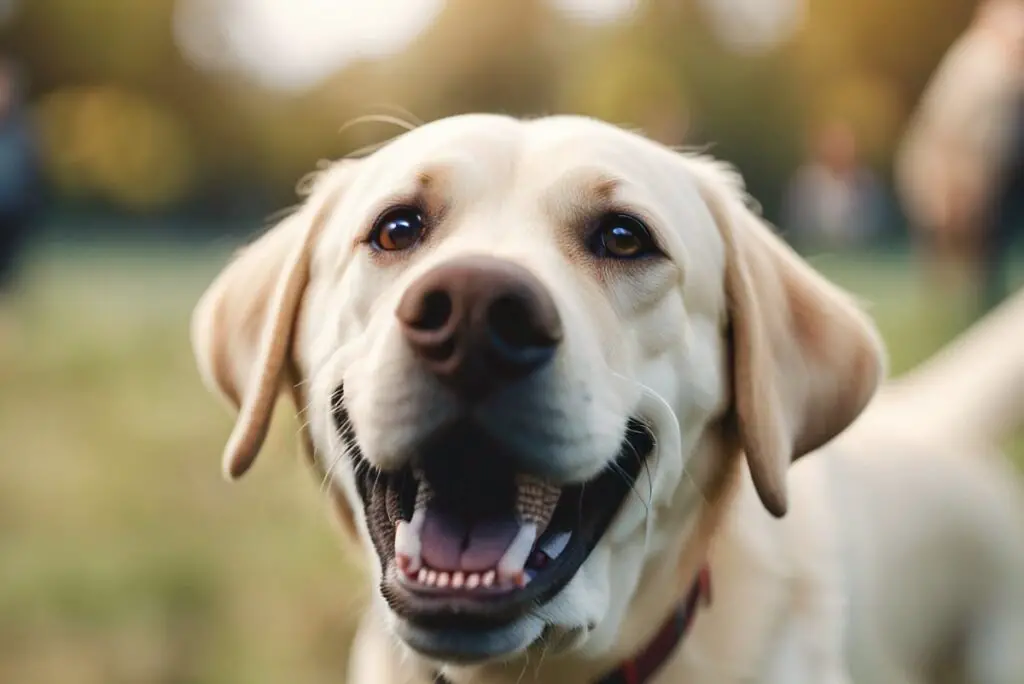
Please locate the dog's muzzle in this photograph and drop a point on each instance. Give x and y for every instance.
(472, 534)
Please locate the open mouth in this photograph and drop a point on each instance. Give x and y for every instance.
(467, 542)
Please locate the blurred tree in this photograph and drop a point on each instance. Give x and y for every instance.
(120, 146)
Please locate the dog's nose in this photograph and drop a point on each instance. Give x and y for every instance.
(479, 323)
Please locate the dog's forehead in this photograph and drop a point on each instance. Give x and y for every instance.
(532, 155)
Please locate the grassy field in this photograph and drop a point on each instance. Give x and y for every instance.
(124, 558)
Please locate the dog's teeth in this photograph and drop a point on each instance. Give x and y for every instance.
(422, 576)
(510, 567)
(473, 581)
(442, 580)
(458, 579)
(410, 566)
(431, 578)
(536, 501)
(554, 547)
(488, 579)
(407, 542)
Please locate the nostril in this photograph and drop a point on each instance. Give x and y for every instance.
(513, 326)
(435, 311)
(506, 319)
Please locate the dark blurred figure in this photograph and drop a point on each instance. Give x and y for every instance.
(20, 176)
(958, 167)
(833, 201)
(1007, 217)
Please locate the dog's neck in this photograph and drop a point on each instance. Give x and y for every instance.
(671, 574)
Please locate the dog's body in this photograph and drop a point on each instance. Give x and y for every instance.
(648, 300)
(931, 515)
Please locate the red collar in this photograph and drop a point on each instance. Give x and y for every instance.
(644, 665)
(640, 668)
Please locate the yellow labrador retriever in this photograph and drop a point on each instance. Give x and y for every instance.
(557, 374)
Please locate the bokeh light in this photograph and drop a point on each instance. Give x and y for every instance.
(295, 44)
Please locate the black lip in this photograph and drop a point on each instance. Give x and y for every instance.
(601, 498)
(465, 646)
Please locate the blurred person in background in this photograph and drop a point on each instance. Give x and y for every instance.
(1007, 214)
(956, 164)
(833, 200)
(20, 185)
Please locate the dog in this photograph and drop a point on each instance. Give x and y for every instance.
(561, 378)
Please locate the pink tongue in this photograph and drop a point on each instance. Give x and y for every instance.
(449, 543)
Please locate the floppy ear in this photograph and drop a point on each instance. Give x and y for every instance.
(243, 326)
(805, 359)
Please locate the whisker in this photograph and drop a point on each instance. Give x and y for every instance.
(399, 122)
(329, 471)
(378, 118)
(368, 149)
(410, 118)
(526, 665)
(670, 414)
(645, 462)
(579, 507)
(631, 481)
(281, 214)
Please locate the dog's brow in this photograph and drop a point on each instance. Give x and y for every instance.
(595, 185)
(604, 187)
(431, 182)
(427, 178)
(585, 189)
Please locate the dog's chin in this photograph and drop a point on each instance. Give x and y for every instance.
(471, 646)
(470, 547)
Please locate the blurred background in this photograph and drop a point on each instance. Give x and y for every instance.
(142, 140)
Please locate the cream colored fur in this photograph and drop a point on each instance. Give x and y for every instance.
(741, 357)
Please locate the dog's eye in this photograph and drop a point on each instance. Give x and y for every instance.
(621, 236)
(397, 229)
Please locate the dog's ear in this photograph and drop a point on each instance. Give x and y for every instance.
(243, 326)
(805, 359)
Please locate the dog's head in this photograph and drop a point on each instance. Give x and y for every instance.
(512, 339)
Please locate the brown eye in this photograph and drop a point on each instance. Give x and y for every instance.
(620, 236)
(398, 229)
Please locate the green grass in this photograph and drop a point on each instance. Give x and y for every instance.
(124, 558)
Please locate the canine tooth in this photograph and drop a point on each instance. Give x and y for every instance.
(554, 547)
(536, 500)
(431, 578)
(407, 542)
(422, 576)
(488, 579)
(458, 579)
(442, 579)
(473, 580)
(510, 567)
